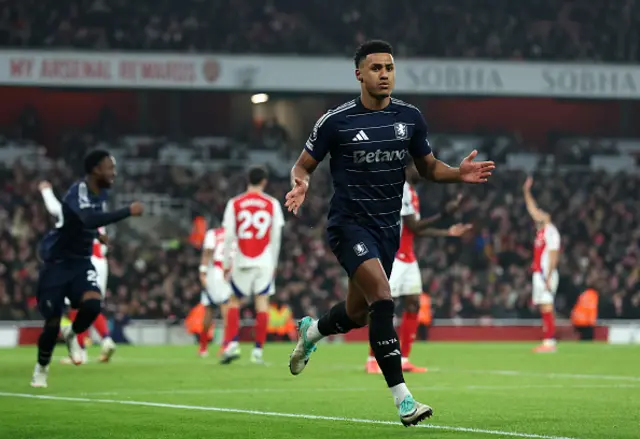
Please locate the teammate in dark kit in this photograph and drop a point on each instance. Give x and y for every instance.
(369, 139)
(66, 251)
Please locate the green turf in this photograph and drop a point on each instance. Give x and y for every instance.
(589, 391)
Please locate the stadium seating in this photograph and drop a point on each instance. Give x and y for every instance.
(484, 274)
(495, 29)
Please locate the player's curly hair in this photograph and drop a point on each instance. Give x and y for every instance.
(93, 159)
(369, 47)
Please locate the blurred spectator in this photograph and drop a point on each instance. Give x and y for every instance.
(497, 29)
(483, 274)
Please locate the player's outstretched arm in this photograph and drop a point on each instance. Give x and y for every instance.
(532, 206)
(423, 227)
(93, 219)
(469, 171)
(300, 176)
(456, 230)
(77, 200)
(99, 219)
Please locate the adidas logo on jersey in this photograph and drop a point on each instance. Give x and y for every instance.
(378, 156)
(360, 136)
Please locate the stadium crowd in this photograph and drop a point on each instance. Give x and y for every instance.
(542, 29)
(483, 274)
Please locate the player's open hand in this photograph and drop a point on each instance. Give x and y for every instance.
(459, 229)
(44, 184)
(295, 197)
(475, 172)
(528, 184)
(136, 208)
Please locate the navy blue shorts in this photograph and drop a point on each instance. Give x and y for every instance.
(353, 244)
(67, 279)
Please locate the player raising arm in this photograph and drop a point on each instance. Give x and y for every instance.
(546, 250)
(67, 271)
(100, 263)
(369, 139)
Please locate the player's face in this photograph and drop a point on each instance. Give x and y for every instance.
(377, 75)
(106, 172)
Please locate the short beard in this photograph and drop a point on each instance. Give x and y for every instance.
(379, 97)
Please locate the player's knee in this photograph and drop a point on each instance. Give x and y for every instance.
(412, 304)
(546, 308)
(382, 291)
(262, 303)
(94, 306)
(53, 322)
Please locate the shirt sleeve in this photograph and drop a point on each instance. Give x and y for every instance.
(78, 201)
(209, 240)
(278, 216)
(276, 231)
(229, 225)
(419, 144)
(51, 203)
(552, 238)
(407, 206)
(319, 142)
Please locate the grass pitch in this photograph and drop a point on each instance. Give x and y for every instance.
(478, 391)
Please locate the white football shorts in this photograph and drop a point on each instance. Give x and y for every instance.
(102, 269)
(541, 295)
(218, 289)
(406, 279)
(252, 281)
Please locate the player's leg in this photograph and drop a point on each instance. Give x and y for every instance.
(207, 319)
(262, 322)
(368, 262)
(409, 330)
(397, 285)
(266, 289)
(241, 282)
(371, 279)
(310, 331)
(86, 297)
(544, 299)
(230, 343)
(223, 309)
(67, 322)
(341, 318)
(370, 292)
(108, 346)
(50, 297)
(219, 293)
(46, 345)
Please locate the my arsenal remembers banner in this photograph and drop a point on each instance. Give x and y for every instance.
(309, 74)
